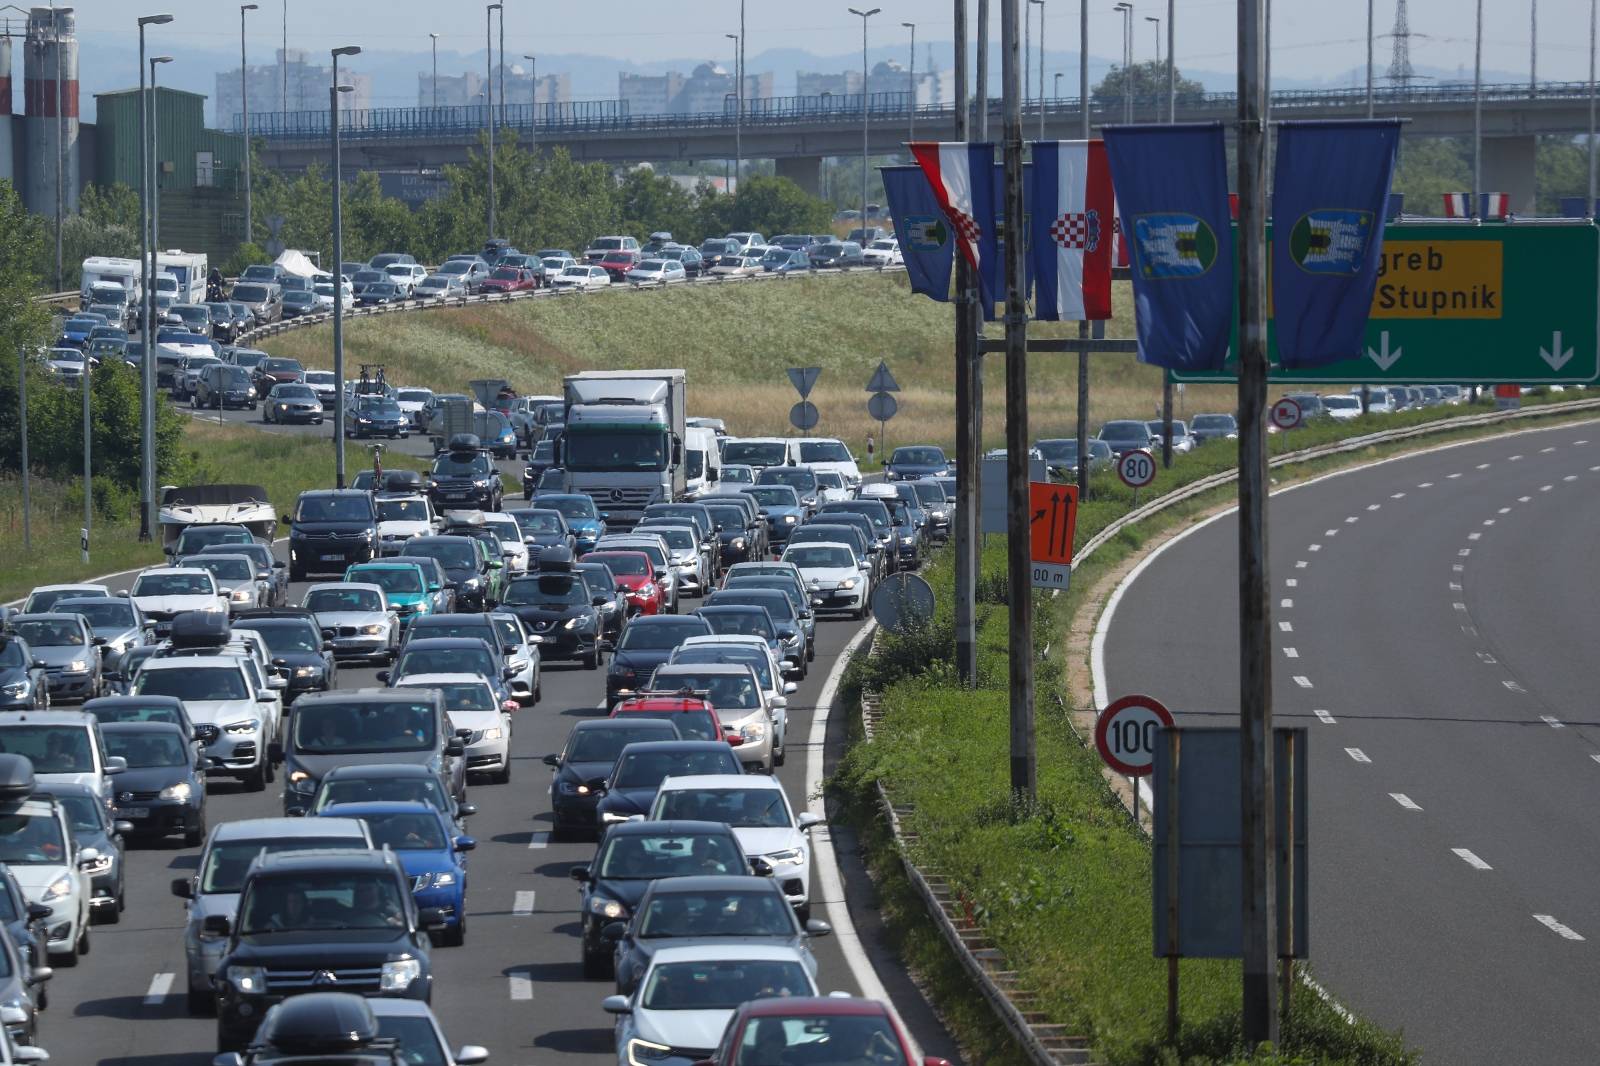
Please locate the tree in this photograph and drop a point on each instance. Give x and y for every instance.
(777, 205)
(1429, 168)
(1148, 83)
(104, 225)
(648, 202)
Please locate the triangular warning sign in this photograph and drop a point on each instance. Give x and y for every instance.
(882, 380)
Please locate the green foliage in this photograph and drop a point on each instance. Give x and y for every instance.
(776, 205)
(1146, 81)
(1429, 168)
(247, 254)
(1561, 169)
(106, 224)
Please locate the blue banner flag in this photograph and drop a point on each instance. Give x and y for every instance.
(1329, 197)
(924, 232)
(1572, 207)
(1172, 195)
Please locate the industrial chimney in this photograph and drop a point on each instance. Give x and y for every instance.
(50, 90)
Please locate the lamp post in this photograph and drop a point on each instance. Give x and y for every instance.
(1157, 23)
(488, 87)
(1041, 65)
(1477, 118)
(865, 15)
(244, 96)
(155, 166)
(738, 102)
(61, 156)
(533, 101)
(338, 257)
(911, 82)
(284, 105)
(1588, 211)
(1058, 76)
(434, 37)
(147, 363)
(1127, 60)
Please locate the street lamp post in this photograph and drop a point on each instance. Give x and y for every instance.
(155, 166)
(1041, 66)
(488, 87)
(338, 258)
(911, 83)
(1058, 76)
(1157, 23)
(865, 15)
(147, 362)
(1127, 61)
(244, 97)
(434, 37)
(533, 101)
(738, 107)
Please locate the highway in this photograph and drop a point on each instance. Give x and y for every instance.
(1434, 621)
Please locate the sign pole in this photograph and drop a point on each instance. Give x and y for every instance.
(1259, 903)
(966, 520)
(1083, 327)
(1172, 884)
(88, 476)
(22, 427)
(1285, 993)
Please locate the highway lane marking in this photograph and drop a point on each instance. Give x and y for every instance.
(1552, 721)
(1503, 510)
(1569, 477)
(1285, 602)
(1470, 631)
(1396, 496)
(521, 983)
(1290, 582)
(1315, 547)
(1405, 801)
(1486, 659)
(1302, 680)
(1456, 568)
(1452, 476)
(1592, 469)
(1458, 605)
(1352, 520)
(1515, 458)
(1370, 506)
(1596, 758)
(1542, 451)
(1301, 564)
(1358, 755)
(523, 906)
(1470, 536)
(1550, 923)
(1464, 552)
(1425, 485)
(1283, 627)
(1470, 859)
(1330, 533)
(1481, 466)
(1524, 499)
(1455, 586)
(539, 840)
(1513, 686)
(1327, 719)
(1291, 653)
(1486, 521)
(1546, 488)
(160, 985)
(1580, 442)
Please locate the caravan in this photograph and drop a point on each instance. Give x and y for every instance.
(188, 270)
(104, 271)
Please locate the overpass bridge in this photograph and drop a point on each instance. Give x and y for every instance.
(798, 132)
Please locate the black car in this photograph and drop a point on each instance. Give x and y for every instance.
(738, 540)
(344, 729)
(785, 619)
(915, 461)
(540, 459)
(584, 762)
(330, 530)
(465, 476)
(23, 684)
(294, 642)
(877, 513)
(630, 788)
(169, 709)
(163, 790)
(93, 827)
(349, 914)
(559, 608)
(380, 292)
(835, 254)
(196, 538)
(465, 569)
(544, 528)
(693, 263)
(646, 643)
(632, 855)
(608, 597)
(376, 416)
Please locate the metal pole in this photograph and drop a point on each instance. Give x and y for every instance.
(1259, 905)
(22, 413)
(1589, 212)
(1083, 327)
(1172, 112)
(865, 119)
(1172, 60)
(61, 148)
(1477, 117)
(502, 59)
(488, 88)
(244, 97)
(1533, 48)
(88, 475)
(1027, 53)
(434, 37)
(1369, 58)
(1024, 770)
(338, 257)
(981, 87)
(533, 103)
(1041, 66)
(284, 106)
(738, 108)
(155, 167)
(965, 533)
(911, 83)
(147, 362)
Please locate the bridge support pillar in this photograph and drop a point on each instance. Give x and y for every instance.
(1509, 167)
(805, 171)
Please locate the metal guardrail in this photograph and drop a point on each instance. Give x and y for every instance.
(57, 299)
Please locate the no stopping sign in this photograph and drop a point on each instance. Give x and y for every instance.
(1126, 732)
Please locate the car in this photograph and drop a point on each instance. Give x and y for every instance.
(402, 516)
(163, 790)
(883, 252)
(468, 270)
(237, 578)
(482, 720)
(583, 519)
(833, 576)
(514, 550)
(755, 725)
(835, 1029)
(395, 1030)
(800, 478)
(285, 404)
(738, 538)
(601, 245)
(560, 611)
(299, 652)
(95, 827)
(690, 258)
(465, 476)
(635, 574)
(633, 854)
(689, 558)
(384, 260)
(662, 272)
(1125, 435)
(836, 254)
(472, 579)
(1061, 455)
(67, 647)
(235, 719)
(793, 624)
(1209, 427)
(778, 260)
(782, 507)
(877, 513)
(163, 592)
(916, 461)
(329, 530)
(666, 575)
(505, 279)
(431, 852)
(376, 416)
(219, 386)
(405, 275)
(24, 927)
(1340, 406)
(322, 295)
(688, 993)
(186, 377)
(417, 405)
(263, 301)
(356, 619)
(584, 762)
(1311, 405)
(646, 643)
(479, 655)
(38, 846)
(380, 294)
(1182, 442)
(629, 788)
(931, 498)
(364, 782)
(289, 902)
(323, 383)
(736, 266)
(828, 454)
(580, 277)
(387, 725)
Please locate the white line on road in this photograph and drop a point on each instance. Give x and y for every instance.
(1471, 631)
(1455, 586)
(1488, 521)
(1503, 510)
(524, 903)
(1327, 719)
(1314, 547)
(1302, 680)
(1546, 451)
(1301, 564)
(1464, 552)
(1552, 721)
(1481, 466)
(1580, 442)
(1405, 801)
(1569, 477)
(1286, 603)
(1546, 488)
(1330, 533)
(1452, 476)
(1513, 686)
(1596, 758)
(1358, 755)
(1396, 496)
(1290, 582)
(1470, 859)
(1458, 605)
(1370, 506)
(160, 985)
(1515, 458)
(521, 982)
(1593, 469)
(1486, 659)
(1352, 520)
(1286, 627)
(1475, 536)
(1550, 923)
(1524, 499)
(1291, 653)
(539, 840)
(1457, 567)
(1425, 485)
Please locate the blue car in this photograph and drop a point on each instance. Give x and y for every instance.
(429, 850)
(583, 517)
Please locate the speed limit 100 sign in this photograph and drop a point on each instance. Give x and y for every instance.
(1126, 734)
(1136, 468)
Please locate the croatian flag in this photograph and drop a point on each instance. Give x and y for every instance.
(1073, 222)
(1495, 205)
(962, 177)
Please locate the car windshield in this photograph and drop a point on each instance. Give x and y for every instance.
(469, 660)
(639, 857)
(50, 633)
(390, 578)
(343, 599)
(918, 456)
(928, 492)
(406, 830)
(738, 475)
(381, 789)
(820, 557)
(313, 900)
(823, 451)
(466, 696)
(334, 509)
(456, 552)
(604, 745)
(548, 590)
(643, 448)
(350, 728)
(647, 769)
(755, 658)
(194, 683)
(680, 914)
(147, 750)
(294, 392)
(250, 294)
(42, 601)
(751, 622)
(755, 452)
(535, 523)
(83, 814)
(632, 564)
(380, 405)
(227, 862)
(288, 634)
(224, 569)
(774, 495)
(454, 464)
(441, 625)
(722, 691)
(1341, 403)
(830, 479)
(137, 712)
(274, 366)
(799, 479)
(740, 808)
(820, 1040)
(1125, 431)
(53, 749)
(722, 984)
(174, 585)
(676, 536)
(660, 636)
(569, 506)
(403, 510)
(729, 517)
(779, 605)
(31, 839)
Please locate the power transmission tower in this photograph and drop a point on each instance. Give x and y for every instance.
(1400, 73)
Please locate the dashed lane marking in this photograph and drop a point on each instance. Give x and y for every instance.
(1483, 466)
(1301, 564)
(1458, 605)
(1570, 477)
(1374, 506)
(1464, 552)
(1314, 547)
(1352, 520)
(1552, 721)
(521, 984)
(1286, 627)
(1302, 680)
(1455, 586)
(1546, 488)
(1470, 859)
(1452, 476)
(523, 906)
(1398, 496)
(1546, 451)
(1285, 602)
(1290, 582)
(1327, 719)
(160, 985)
(539, 840)
(1512, 686)
(1291, 653)
(1405, 801)
(1503, 510)
(1488, 521)
(1425, 485)
(1486, 659)
(1457, 567)
(1550, 923)
(1330, 533)
(1524, 499)
(1474, 536)
(1471, 631)
(1358, 755)
(1580, 442)
(1516, 458)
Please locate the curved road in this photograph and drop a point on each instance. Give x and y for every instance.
(1434, 625)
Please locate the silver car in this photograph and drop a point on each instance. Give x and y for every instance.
(114, 620)
(356, 619)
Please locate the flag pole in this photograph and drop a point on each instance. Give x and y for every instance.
(967, 327)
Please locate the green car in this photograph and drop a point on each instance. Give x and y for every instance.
(403, 584)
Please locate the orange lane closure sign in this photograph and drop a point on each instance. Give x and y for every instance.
(1052, 519)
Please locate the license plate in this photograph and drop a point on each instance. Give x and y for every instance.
(135, 812)
(333, 556)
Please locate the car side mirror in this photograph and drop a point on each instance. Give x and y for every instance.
(183, 888)
(122, 827)
(599, 601)
(40, 974)
(432, 918)
(463, 734)
(115, 764)
(99, 641)
(216, 925)
(286, 518)
(616, 1005)
(465, 844)
(38, 912)
(579, 874)
(268, 697)
(467, 810)
(553, 759)
(613, 931)
(39, 664)
(471, 1055)
(808, 819)
(455, 748)
(761, 867)
(790, 688)
(817, 927)
(383, 675)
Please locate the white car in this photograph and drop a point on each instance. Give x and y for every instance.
(1342, 407)
(163, 591)
(406, 276)
(758, 811)
(236, 574)
(1182, 441)
(402, 517)
(359, 617)
(324, 384)
(322, 294)
(235, 717)
(828, 454)
(754, 652)
(583, 278)
(416, 404)
(512, 547)
(656, 272)
(523, 659)
(471, 704)
(601, 245)
(38, 849)
(740, 703)
(682, 1003)
(688, 558)
(882, 252)
(833, 578)
(748, 241)
(832, 488)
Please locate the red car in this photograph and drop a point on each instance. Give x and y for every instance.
(510, 279)
(814, 1029)
(696, 719)
(617, 264)
(635, 573)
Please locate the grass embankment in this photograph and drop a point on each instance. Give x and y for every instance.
(736, 340)
(282, 463)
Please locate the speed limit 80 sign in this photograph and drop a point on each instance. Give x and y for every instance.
(1136, 468)
(1126, 733)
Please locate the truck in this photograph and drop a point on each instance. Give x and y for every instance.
(623, 442)
(189, 269)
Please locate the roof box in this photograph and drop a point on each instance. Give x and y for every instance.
(403, 481)
(465, 442)
(16, 777)
(199, 629)
(324, 1023)
(556, 559)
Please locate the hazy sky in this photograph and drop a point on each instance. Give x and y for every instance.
(1312, 38)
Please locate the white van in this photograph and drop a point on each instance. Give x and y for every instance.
(761, 452)
(702, 460)
(829, 453)
(188, 269)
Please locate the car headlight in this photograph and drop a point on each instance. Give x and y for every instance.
(788, 519)
(78, 666)
(848, 583)
(99, 865)
(17, 689)
(374, 630)
(755, 732)
(607, 908)
(240, 596)
(442, 879)
(250, 980)
(641, 1052)
(492, 733)
(791, 857)
(737, 544)
(571, 623)
(397, 976)
(60, 888)
(471, 583)
(572, 788)
(908, 540)
(306, 671)
(239, 729)
(179, 792)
